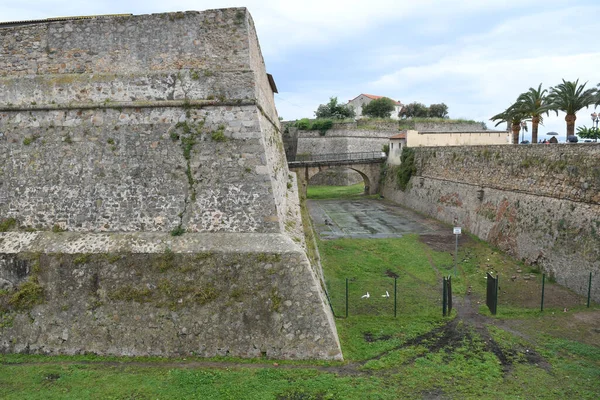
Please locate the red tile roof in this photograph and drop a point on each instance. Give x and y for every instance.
(373, 97)
(399, 136)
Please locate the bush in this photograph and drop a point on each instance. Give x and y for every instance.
(322, 125)
(303, 124)
(334, 110)
(407, 167)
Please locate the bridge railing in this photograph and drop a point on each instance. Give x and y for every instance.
(364, 155)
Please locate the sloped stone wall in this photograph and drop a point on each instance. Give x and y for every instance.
(538, 203)
(144, 188)
(137, 294)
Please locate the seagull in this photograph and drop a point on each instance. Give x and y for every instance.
(386, 294)
(366, 296)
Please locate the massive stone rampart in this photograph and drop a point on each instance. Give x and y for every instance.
(540, 203)
(129, 129)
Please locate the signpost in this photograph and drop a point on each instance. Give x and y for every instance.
(456, 231)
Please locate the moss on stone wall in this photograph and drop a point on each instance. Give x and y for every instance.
(7, 224)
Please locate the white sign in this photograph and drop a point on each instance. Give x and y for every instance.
(456, 230)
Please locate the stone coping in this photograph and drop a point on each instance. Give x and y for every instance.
(145, 242)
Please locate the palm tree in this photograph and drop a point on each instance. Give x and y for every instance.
(571, 97)
(513, 115)
(534, 104)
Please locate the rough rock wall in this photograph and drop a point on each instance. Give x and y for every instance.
(341, 141)
(239, 295)
(127, 170)
(137, 127)
(539, 203)
(336, 177)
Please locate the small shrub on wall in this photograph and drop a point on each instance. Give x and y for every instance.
(407, 167)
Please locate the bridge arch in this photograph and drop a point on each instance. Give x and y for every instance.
(367, 164)
(368, 172)
(312, 172)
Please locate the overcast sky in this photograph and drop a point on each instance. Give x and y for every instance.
(476, 56)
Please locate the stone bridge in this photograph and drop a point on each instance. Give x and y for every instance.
(367, 164)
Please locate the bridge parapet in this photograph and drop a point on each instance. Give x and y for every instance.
(345, 158)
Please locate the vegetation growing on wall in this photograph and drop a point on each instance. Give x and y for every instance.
(187, 134)
(7, 224)
(407, 167)
(321, 125)
(23, 297)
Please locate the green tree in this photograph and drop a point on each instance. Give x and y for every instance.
(534, 104)
(588, 133)
(513, 116)
(438, 111)
(380, 108)
(571, 97)
(414, 110)
(334, 110)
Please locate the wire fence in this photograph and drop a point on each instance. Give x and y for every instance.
(408, 295)
(383, 297)
(540, 291)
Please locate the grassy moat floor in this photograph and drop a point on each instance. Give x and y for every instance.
(521, 352)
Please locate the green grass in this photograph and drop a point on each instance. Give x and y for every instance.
(135, 382)
(336, 192)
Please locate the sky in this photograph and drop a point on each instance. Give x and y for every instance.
(476, 56)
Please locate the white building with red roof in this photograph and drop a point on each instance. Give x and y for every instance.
(362, 99)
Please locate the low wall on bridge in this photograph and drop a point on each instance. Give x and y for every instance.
(539, 203)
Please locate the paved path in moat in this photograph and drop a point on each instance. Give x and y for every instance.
(367, 218)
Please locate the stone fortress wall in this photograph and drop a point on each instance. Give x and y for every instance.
(539, 203)
(371, 135)
(121, 130)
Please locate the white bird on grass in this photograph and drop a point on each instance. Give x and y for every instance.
(366, 296)
(386, 294)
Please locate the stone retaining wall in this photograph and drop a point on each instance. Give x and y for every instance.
(141, 294)
(538, 203)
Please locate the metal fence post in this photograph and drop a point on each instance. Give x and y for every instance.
(589, 290)
(346, 297)
(449, 294)
(395, 297)
(444, 296)
(497, 287)
(543, 284)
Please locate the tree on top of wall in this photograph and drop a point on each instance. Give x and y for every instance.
(420, 110)
(438, 111)
(414, 110)
(534, 104)
(334, 110)
(379, 108)
(513, 115)
(571, 97)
